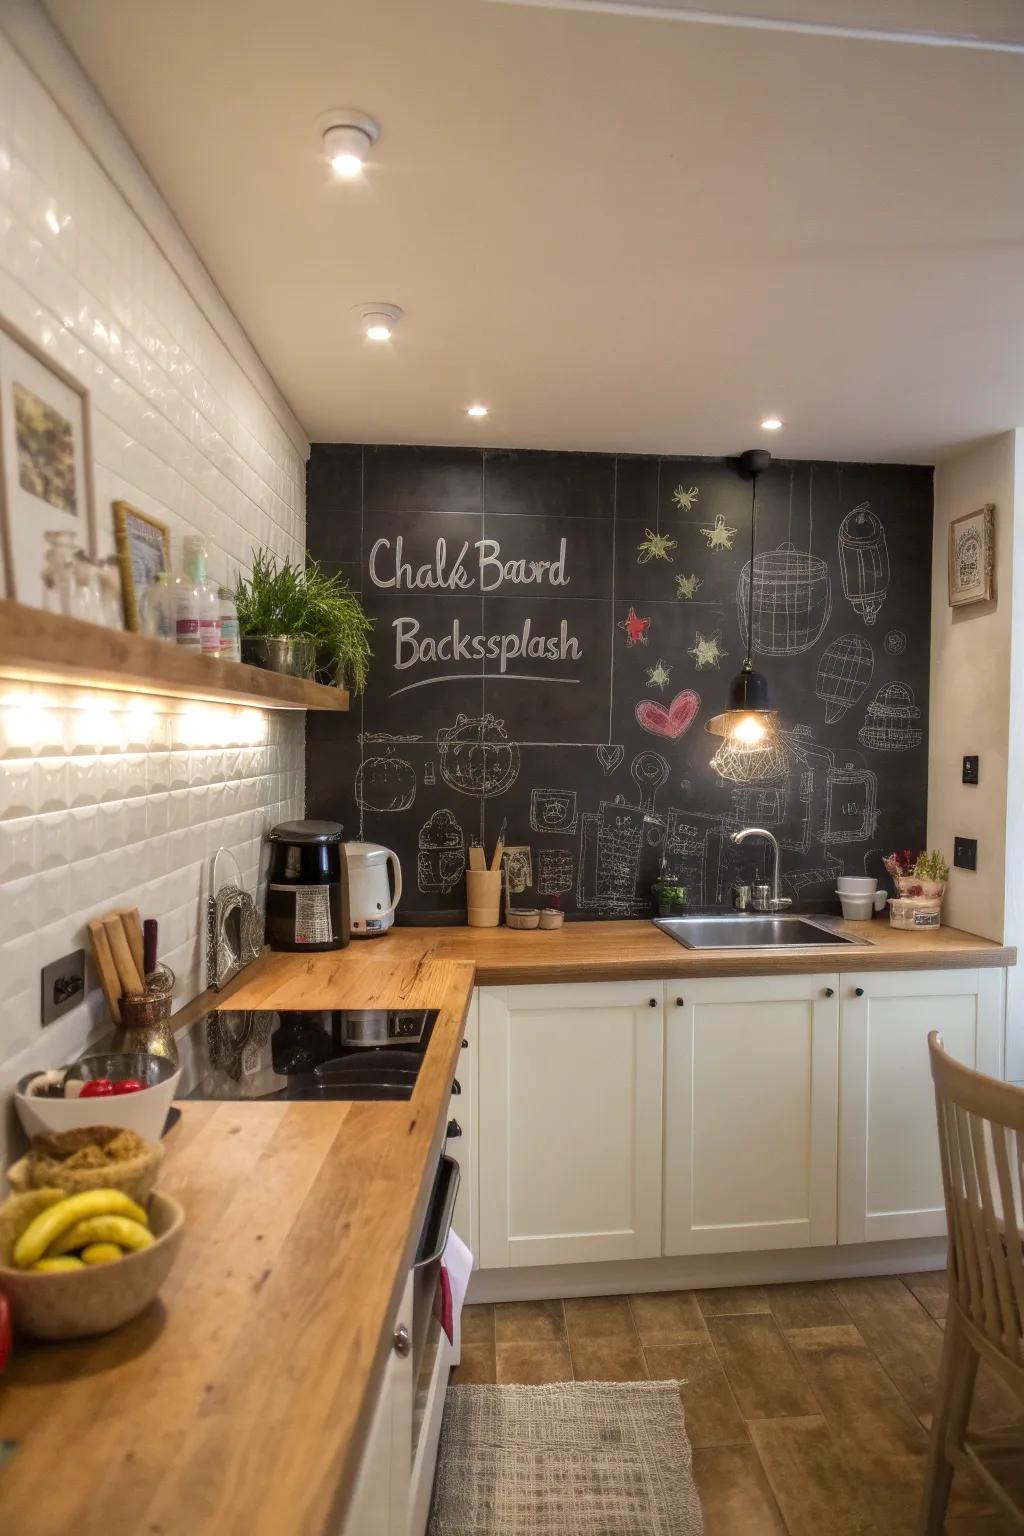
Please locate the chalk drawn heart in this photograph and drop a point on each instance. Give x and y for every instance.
(610, 757)
(671, 721)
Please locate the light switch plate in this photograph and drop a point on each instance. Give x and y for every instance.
(965, 852)
(63, 985)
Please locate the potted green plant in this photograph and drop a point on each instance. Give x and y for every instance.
(297, 619)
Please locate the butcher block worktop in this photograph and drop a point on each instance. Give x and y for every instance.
(240, 1401)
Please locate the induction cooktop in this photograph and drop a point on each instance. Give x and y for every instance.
(369, 1053)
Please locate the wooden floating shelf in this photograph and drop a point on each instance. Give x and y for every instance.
(40, 647)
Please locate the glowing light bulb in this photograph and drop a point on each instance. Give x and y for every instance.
(378, 333)
(749, 731)
(347, 166)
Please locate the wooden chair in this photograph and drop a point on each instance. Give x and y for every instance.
(981, 1143)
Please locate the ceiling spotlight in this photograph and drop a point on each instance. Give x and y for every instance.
(377, 321)
(772, 424)
(348, 137)
(476, 410)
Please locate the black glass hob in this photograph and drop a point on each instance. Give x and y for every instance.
(368, 1053)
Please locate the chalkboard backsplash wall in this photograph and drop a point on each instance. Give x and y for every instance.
(552, 632)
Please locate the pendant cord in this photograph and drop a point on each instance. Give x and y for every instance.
(750, 583)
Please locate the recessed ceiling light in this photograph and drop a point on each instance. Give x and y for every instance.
(377, 321)
(772, 424)
(476, 410)
(348, 137)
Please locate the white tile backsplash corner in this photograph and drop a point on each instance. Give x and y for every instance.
(114, 803)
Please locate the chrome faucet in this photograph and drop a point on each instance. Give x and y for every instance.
(776, 902)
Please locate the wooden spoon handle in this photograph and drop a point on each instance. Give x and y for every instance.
(127, 971)
(132, 924)
(107, 971)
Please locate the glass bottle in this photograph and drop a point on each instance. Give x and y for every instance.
(87, 601)
(111, 602)
(196, 602)
(230, 645)
(156, 610)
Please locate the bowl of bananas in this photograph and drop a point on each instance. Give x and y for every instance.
(76, 1264)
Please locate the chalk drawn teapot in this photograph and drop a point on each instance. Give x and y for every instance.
(476, 756)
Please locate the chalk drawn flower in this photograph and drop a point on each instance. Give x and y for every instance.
(683, 498)
(658, 675)
(706, 650)
(720, 535)
(656, 546)
(635, 627)
(688, 586)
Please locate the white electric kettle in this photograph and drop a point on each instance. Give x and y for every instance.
(370, 900)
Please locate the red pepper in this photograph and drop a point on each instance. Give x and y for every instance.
(97, 1088)
(128, 1085)
(5, 1329)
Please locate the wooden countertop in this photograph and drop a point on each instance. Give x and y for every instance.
(239, 1402)
(626, 951)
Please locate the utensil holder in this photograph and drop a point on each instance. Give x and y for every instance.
(483, 897)
(146, 1024)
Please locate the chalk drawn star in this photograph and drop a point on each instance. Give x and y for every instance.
(656, 546)
(688, 586)
(683, 498)
(636, 628)
(720, 535)
(706, 650)
(658, 675)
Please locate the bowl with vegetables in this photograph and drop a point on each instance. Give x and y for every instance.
(73, 1265)
(130, 1089)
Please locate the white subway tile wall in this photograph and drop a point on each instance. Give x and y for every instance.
(105, 800)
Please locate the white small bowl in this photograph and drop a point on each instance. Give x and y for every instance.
(144, 1112)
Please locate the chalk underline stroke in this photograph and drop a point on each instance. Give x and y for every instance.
(485, 677)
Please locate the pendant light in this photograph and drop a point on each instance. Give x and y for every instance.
(750, 750)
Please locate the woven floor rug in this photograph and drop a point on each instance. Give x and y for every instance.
(592, 1458)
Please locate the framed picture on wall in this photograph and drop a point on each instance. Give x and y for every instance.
(143, 550)
(46, 495)
(972, 547)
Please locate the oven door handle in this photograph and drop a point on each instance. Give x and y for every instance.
(439, 1218)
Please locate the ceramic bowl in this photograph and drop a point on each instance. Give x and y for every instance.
(856, 885)
(80, 1302)
(144, 1112)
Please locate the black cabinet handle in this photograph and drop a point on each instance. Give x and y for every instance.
(454, 1130)
(858, 991)
(456, 1086)
(652, 1002)
(829, 992)
(679, 1002)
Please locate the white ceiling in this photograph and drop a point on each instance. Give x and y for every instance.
(619, 232)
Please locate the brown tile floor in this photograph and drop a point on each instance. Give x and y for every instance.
(807, 1405)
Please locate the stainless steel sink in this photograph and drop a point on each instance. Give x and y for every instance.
(751, 932)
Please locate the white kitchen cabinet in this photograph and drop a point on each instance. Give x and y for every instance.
(570, 1092)
(890, 1184)
(751, 1083)
(380, 1499)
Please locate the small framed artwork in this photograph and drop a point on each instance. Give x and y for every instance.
(46, 495)
(972, 547)
(143, 550)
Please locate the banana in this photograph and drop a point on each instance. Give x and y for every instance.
(55, 1266)
(101, 1253)
(49, 1224)
(101, 1229)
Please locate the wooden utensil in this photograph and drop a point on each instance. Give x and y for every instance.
(132, 924)
(476, 857)
(127, 970)
(498, 854)
(150, 948)
(105, 967)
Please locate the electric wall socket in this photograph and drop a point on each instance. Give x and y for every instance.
(63, 985)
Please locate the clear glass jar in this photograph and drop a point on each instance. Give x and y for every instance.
(111, 602)
(156, 609)
(230, 644)
(59, 572)
(88, 598)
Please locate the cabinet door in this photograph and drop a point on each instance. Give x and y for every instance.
(462, 1140)
(890, 1183)
(751, 1083)
(570, 1087)
(380, 1499)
